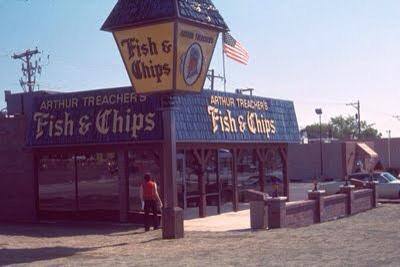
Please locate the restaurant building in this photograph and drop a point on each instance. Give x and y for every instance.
(82, 155)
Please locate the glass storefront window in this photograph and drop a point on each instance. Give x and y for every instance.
(180, 178)
(248, 174)
(95, 173)
(57, 183)
(97, 178)
(273, 170)
(139, 163)
(226, 176)
(192, 180)
(212, 184)
(98, 187)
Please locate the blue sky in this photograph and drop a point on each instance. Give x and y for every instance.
(318, 53)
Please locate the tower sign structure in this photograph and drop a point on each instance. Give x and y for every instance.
(166, 46)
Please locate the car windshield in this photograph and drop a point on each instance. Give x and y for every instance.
(382, 180)
(389, 177)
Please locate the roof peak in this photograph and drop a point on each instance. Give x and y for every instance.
(128, 13)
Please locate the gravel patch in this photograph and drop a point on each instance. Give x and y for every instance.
(367, 239)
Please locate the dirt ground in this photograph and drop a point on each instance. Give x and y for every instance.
(367, 239)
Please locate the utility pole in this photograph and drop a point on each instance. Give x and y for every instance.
(389, 149)
(357, 106)
(318, 111)
(211, 76)
(28, 69)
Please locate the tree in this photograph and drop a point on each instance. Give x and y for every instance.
(343, 128)
(313, 130)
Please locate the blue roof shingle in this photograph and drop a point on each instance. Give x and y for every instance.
(133, 12)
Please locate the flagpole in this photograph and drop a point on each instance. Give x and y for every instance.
(223, 61)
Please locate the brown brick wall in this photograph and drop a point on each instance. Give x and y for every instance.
(362, 200)
(304, 213)
(17, 189)
(335, 207)
(300, 213)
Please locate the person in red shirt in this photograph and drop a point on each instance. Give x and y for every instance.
(150, 201)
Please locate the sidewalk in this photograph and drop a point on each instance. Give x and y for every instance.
(389, 201)
(232, 221)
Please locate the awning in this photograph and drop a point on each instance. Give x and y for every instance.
(367, 150)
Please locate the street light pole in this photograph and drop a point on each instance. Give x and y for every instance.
(319, 112)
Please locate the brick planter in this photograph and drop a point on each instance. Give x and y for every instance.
(319, 208)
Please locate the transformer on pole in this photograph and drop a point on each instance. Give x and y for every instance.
(29, 70)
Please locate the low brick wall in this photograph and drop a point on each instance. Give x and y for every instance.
(300, 213)
(362, 200)
(319, 208)
(335, 207)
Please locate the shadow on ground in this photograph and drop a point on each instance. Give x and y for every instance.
(30, 255)
(51, 230)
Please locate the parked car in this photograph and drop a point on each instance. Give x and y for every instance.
(388, 185)
(394, 171)
(268, 179)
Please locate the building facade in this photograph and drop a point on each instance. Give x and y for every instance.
(83, 155)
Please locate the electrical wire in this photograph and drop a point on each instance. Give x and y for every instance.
(5, 55)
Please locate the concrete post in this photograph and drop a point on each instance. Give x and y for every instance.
(258, 215)
(375, 195)
(349, 191)
(258, 210)
(276, 212)
(318, 196)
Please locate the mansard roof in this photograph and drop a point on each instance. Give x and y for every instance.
(134, 12)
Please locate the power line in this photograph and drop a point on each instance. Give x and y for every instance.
(320, 102)
(5, 54)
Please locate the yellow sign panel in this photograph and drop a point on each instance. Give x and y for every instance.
(148, 54)
(195, 49)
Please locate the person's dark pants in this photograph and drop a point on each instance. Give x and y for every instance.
(150, 205)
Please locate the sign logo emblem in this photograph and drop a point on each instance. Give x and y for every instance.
(192, 64)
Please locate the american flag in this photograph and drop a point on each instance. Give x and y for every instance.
(234, 50)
